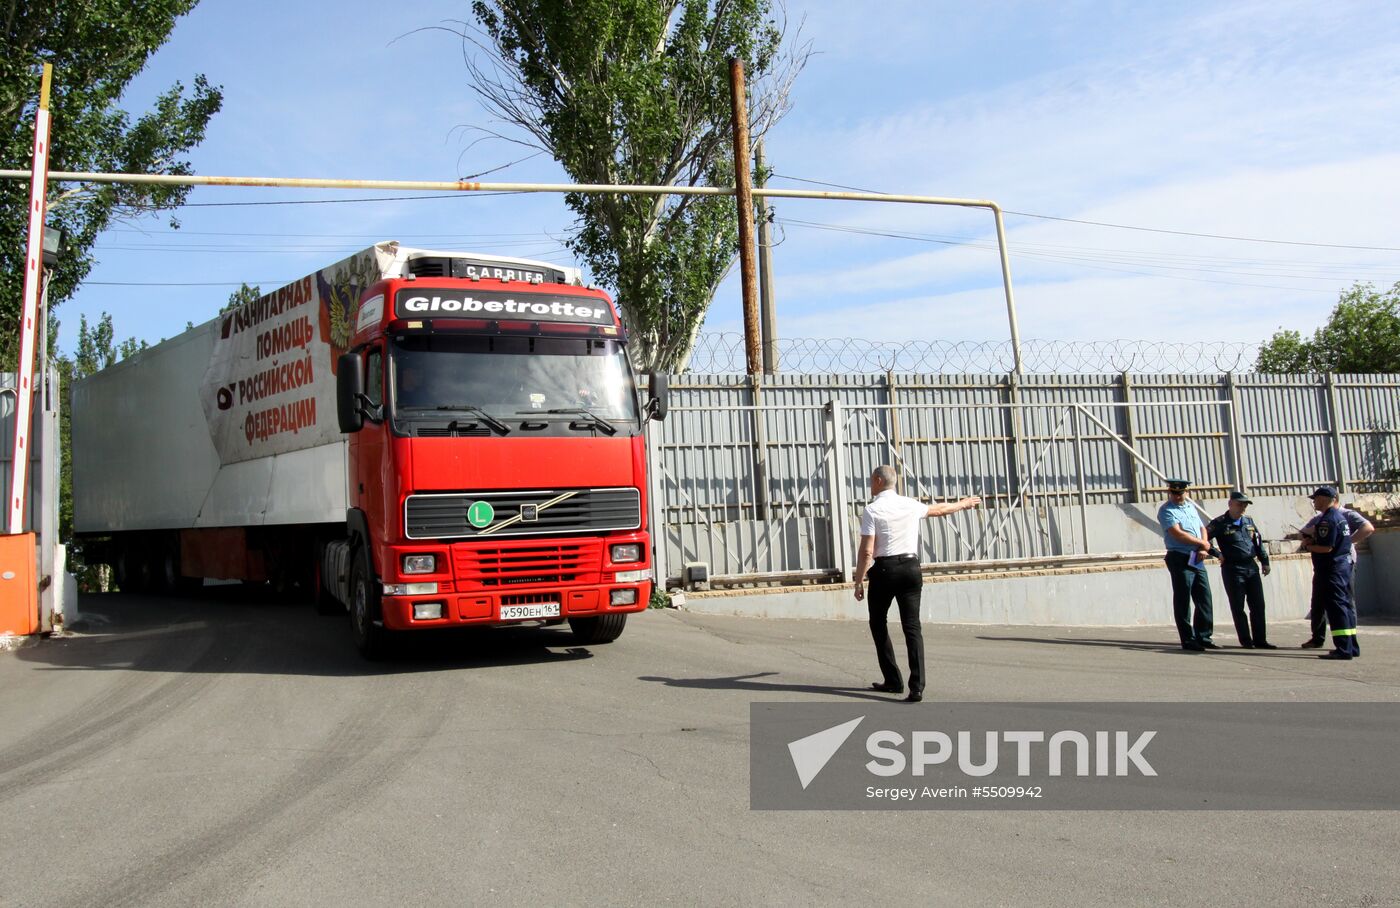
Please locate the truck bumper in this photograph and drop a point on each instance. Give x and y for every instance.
(487, 609)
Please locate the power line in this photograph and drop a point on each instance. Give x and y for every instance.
(1138, 254)
(1080, 263)
(1051, 217)
(1208, 236)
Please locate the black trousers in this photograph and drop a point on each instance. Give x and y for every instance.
(902, 582)
(1332, 587)
(1319, 615)
(1190, 585)
(1243, 584)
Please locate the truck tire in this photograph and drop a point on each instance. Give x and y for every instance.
(602, 629)
(135, 571)
(165, 572)
(364, 610)
(321, 597)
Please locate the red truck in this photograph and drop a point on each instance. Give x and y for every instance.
(425, 439)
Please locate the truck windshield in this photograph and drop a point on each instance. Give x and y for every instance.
(513, 378)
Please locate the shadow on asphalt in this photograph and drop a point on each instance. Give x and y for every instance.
(243, 630)
(1155, 646)
(746, 682)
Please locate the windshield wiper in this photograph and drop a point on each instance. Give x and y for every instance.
(597, 420)
(485, 417)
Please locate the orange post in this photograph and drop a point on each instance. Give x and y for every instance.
(19, 596)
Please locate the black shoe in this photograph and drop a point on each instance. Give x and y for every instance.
(1246, 646)
(1191, 646)
(1265, 646)
(1206, 644)
(1335, 654)
(888, 688)
(914, 697)
(1311, 644)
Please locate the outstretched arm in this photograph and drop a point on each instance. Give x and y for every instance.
(944, 508)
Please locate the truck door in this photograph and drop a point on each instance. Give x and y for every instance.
(368, 453)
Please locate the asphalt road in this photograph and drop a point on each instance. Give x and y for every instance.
(227, 751)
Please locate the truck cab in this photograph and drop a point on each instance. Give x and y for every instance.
(496, 462)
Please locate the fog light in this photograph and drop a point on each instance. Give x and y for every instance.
(422, 588)
(633, 576)
(623, 597)
(631, 551)
(419, 564)
(427, 611)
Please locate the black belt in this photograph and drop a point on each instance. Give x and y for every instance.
(891, 559)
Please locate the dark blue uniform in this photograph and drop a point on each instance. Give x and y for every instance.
(1332, 581)
(1240, 545)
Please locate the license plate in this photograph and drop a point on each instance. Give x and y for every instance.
(533, 610)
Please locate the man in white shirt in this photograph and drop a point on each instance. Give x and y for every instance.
(889, 546)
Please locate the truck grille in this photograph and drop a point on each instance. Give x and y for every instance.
(553, 512)
(481, 567)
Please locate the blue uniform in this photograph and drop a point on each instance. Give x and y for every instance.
(1241, 552)
(1331, 590)
(1319, 616)
(1189, 581)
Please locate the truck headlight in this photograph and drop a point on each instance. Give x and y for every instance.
(633, 576)
(420, 564)
(410, 589)
(623, 597)
(427, 611)
(628, 551)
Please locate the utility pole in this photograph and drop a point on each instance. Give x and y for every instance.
(743, 186)
(768, 318)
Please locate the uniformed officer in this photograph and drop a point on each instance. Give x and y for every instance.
(1331, 557)
(1361, 529)
(889, 551)
(1187, 550)
(1238, 539)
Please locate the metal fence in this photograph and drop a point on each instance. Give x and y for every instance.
(762, 479)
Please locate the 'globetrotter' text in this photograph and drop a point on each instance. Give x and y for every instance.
(534, 307)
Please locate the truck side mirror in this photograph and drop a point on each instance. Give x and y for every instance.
(349, 388)
(657, 405)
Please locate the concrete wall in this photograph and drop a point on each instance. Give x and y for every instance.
(1381, 575)
(1130, 594)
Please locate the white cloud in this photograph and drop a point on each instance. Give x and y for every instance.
(1247, 121)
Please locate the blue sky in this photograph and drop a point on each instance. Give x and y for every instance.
(1269, 120)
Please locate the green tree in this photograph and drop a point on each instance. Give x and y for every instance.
(96, 47)
(637, 91)
(241, 297)
(1361, 335)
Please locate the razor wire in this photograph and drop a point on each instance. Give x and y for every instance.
(723, 353)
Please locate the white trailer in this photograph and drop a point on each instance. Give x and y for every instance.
(230, 429)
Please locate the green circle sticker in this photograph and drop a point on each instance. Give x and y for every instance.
(480, 514)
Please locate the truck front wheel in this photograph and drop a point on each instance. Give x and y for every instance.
(600, 629)
(364, 609)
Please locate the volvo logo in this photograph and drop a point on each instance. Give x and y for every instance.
(529, 513)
